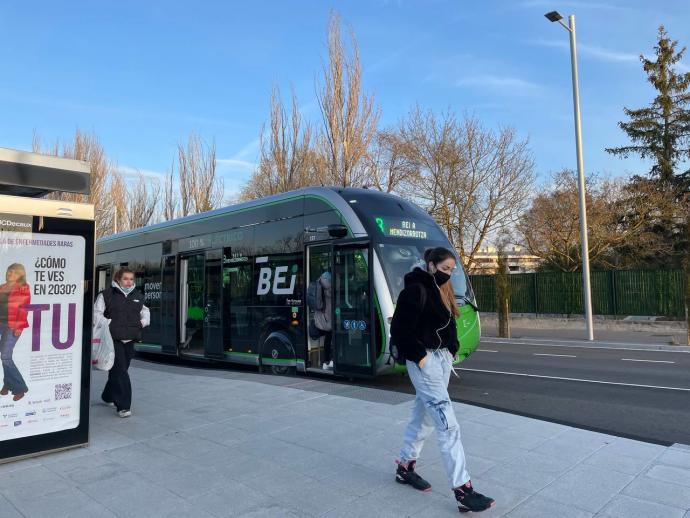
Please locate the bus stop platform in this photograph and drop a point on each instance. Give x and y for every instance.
(208, 443)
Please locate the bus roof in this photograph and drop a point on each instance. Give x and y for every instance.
(328, 194)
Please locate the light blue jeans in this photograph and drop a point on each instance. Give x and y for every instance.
(433, 409)
(13, 379)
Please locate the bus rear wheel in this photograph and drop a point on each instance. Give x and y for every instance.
(278, 353)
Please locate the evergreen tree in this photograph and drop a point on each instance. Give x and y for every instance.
(661, 132)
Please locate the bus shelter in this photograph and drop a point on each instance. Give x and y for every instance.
(46, 294)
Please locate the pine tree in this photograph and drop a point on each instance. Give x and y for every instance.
(661, 132)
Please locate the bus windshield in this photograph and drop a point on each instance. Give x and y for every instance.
(400, 257)
(401, 232)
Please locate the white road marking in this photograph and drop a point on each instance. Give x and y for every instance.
(649, 361)
(486, 351)
(546, 354)
(586, 346)
(575, 379)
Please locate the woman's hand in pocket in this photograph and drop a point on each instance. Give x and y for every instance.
(422, 362)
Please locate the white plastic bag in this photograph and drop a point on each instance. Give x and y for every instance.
(102, 347)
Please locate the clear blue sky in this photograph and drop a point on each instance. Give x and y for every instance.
(143, 74)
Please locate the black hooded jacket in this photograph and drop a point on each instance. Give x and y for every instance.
(415, 328)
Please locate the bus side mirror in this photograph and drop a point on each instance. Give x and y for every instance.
(337, 231)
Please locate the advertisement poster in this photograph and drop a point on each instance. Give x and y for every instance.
(41, 315)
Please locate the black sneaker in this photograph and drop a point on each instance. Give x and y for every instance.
(469, 500)
(407, 475)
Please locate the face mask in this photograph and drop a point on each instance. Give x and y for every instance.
(126, 291)
(441, 277)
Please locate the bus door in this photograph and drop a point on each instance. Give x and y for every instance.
(353, 343)
(319, 260)
(103, 278)
(213, 305)
(191, 306)
(168, 305)
(200, 304)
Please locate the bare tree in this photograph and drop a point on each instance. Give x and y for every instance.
(86, 147)
(201, 189)
(142, 202)
(389, 164)
(620, 217)
(349, 116)
(118, 199)
(286, 161)
(134, 203)
(170, 201)
(434, 147)
(476, 182)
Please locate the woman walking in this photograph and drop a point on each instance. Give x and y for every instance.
(423, 328)
(14, 296)
(122, 307)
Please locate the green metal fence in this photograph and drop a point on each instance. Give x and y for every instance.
(615, 292)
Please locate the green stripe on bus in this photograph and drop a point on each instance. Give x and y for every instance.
(256, 355)
(270, 360)
(468, 331)
(383, 329)
(148, 346)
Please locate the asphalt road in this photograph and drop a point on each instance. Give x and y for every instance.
(639, 394)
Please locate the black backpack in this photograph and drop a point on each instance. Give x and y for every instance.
(394, 351)
(312, 296)
(107, 297)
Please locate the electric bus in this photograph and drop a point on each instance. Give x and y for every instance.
(230, 285)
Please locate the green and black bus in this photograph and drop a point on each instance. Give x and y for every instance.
(231, 284)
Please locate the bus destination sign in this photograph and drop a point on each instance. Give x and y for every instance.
(401, 228)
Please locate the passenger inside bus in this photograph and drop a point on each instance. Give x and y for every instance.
(323, 316)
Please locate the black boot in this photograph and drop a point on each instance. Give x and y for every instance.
(407, 475)
(469, 500)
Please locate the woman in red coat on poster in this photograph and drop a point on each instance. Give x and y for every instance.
(15, 294)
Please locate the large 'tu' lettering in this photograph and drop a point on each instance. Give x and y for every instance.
(37, 311)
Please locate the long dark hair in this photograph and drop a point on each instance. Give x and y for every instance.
(438, 255)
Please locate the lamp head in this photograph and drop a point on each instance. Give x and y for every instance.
(554, 16)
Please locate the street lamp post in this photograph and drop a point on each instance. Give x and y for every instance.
(554, 16)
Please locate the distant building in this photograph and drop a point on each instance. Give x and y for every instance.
(519, 261)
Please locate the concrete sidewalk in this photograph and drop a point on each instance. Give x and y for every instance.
(653, 333)
(217, 443)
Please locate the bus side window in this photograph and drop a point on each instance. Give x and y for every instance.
(237, 296)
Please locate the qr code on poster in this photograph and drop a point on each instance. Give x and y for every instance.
(63, 391)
